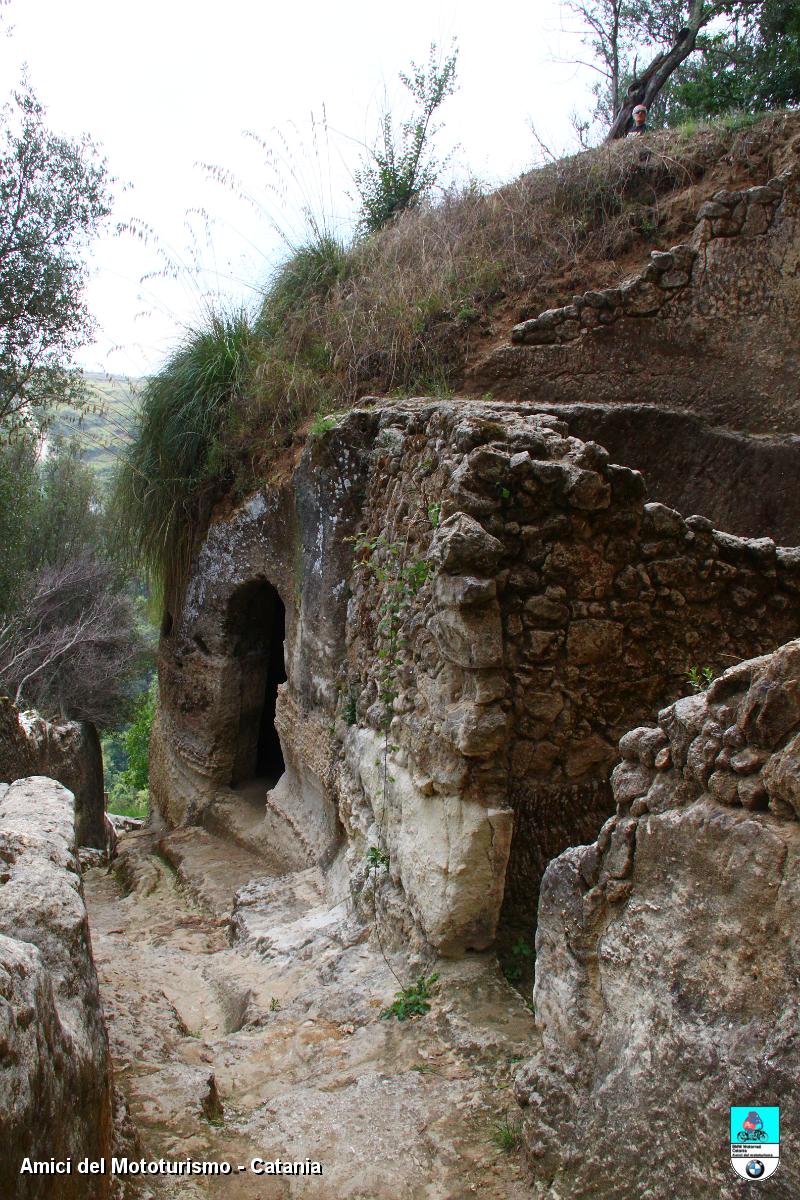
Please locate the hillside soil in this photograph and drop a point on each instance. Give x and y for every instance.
(255, 1032)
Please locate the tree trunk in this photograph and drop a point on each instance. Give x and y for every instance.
(646, 86)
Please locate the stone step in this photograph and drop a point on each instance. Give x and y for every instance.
(293, 918)
(244, 815)
(211, 868)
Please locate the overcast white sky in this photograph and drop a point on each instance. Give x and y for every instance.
(166, 84)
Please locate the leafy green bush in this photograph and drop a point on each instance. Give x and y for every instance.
(399, 171)
(377, 859)
(521, 961)
(126, 759)
(137, 739)
(412, 1001)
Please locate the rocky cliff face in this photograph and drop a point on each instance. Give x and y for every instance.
(55, 1073)
(475, 606)
(668, 953)
(68, 752)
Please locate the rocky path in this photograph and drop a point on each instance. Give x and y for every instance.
(252, 1029)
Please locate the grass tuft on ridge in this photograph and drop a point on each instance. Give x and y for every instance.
(165, 480)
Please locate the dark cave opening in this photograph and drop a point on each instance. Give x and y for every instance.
(256, 631)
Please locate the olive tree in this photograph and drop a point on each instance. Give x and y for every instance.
(54, 196)
(637, 47)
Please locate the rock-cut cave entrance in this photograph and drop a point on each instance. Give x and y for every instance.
(256, 630)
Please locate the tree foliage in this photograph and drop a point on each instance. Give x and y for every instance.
(70, 643)
(751, 65)
(400, 169)
(690, 58)
(136, 740)
(53, 198)
(70, 646)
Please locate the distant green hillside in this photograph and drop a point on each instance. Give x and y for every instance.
(105, 427)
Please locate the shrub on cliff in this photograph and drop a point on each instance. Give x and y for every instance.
(399, 170)
(166, 475)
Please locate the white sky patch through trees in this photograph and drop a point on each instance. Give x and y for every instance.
(164, 85)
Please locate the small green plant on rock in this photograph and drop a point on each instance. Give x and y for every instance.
(514, 968)
(377, 858)
(321, 425)
(350, 711)
(413, 1001)
(274, 1004)
(699, 678)
(506, 1134)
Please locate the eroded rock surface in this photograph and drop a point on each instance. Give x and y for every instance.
(69, 752)
(261, 1003)
(668, 954)
(55, 1070)
(475, 605)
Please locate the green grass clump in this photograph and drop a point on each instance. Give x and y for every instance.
(413, 1001)
(699, 678)
(175, 456)
(506, 1135)
(305, 278)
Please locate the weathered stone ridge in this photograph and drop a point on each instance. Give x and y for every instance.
(668, 953)
(743, 484)
(55, 1071)
(539, 609)
(68, 752)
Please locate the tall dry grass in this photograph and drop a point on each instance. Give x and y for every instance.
(397, 304)
(392, 311)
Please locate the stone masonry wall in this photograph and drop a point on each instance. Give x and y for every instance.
(668, 954)
(708, 327)
(557, 605)
(540, 609)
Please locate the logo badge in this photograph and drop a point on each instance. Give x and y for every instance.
(755, 1140)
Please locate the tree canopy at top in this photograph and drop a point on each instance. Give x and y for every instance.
(690, 58)
(53, 198)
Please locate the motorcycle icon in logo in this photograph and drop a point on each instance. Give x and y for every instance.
(755, 1141)
(752, 1129)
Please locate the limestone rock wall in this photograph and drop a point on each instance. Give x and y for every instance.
(477, 606)
(668, 954)
(68, 752)
(55, 1071)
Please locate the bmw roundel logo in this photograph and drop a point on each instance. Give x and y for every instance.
(755, 1168)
